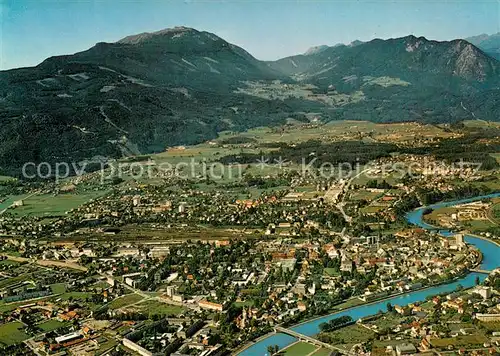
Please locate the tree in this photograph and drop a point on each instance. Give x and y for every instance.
(390, 308)
(272, 349)
(478, 280)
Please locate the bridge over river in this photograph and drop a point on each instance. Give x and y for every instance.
(311, 340)
(483, 271)
(491, 261)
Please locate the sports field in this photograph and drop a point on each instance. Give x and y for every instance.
(12, 333)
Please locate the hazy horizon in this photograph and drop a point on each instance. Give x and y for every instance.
(32, 31)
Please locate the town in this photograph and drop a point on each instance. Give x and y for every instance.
(193, 266)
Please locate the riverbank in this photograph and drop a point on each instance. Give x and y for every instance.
(336, 312)
(387, 298)
(484, 238)
(489, 249)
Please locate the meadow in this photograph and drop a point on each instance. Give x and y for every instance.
(49, 205)
(125, 300)
(12, 333)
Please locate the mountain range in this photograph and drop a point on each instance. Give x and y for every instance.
(488, 43)
(178, 86)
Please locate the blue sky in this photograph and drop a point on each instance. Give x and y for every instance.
(32, 30)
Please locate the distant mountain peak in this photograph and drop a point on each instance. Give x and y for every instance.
(315, 49)
(487, 43)
(355, 43)
(174, 32)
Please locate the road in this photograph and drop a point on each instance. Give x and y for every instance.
(345, 188)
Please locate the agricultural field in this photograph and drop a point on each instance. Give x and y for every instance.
(12, 333)
(6, 202)
(195, 158)
(50, 205)
(481, 124)
(4, 283)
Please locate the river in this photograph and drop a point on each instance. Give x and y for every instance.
(491, 260)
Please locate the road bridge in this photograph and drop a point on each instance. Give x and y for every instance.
(312, 340)
(481, 271)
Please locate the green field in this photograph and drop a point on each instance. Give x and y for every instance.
(10, 200)
(75, 296)
(124, 301)
(58, 288)
(492, 326)
(10, 263)
(50, 205)
(494, 212)
(155, 307)
(299, 349)
(21, 278)
(363, 194)
(12, 333)
(322, 352)
(479, 225)
(351, 335)
(468, 341)
(332, 272)
(246, 303)
(256, 138)
(50, 325)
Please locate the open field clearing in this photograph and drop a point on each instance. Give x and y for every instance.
(349, 336)
(254, 141)
(322, 352)
(50, 205)
(8, 201)
(476, 340)
(50, 325)
(12, 333)
(481, 124)
(124, 301)
(154, 307)
(299, 349)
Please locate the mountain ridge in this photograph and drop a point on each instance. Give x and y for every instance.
(149, 91)
(490, 44)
